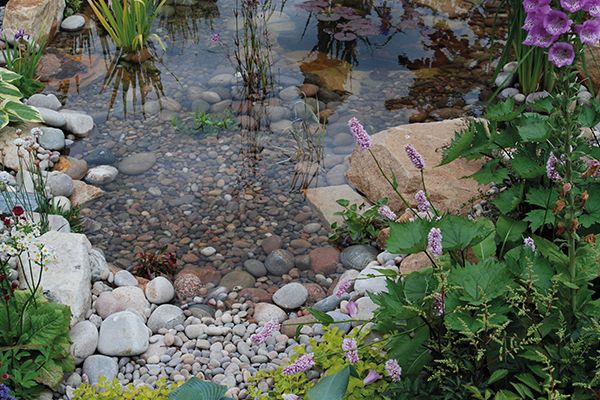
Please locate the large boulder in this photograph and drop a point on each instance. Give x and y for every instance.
(67, 278)
(445, 185)
(36, 17)
(123, 334)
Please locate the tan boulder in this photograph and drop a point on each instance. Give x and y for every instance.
(324, 200)
(83, 193)
(8, 149)
(453, 8)
(447, 188)
(38, 18)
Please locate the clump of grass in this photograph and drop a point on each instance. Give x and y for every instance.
(128, 22)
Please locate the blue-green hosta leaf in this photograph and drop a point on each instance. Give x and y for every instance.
(195, 389)
(331, 387)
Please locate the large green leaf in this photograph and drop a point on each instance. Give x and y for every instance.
(539, 218)
(533, 127)
(9, 91)
(461, 142)
(509, 199)
(491, 171)
(592, 210)
(525, 166)
(7, 75)
(22, 111)
(503, 111)
(195, 389)
(4, 119)
(408, 237)
(331, 387)
(410, 351)
(459, 233)
(510, 230)
(551, 251)
(486, 280)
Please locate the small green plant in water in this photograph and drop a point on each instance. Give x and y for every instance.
(72, 7)
(203, 123)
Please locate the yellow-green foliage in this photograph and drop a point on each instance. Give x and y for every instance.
(330, 358)
(105, 390)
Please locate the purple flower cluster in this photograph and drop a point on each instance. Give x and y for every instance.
(304, 363)
(415, 158)
(268, 329)
(423, 204)
(343, 287)
(545, 25)
(5, 393)
(350, 347)
(372, 376)
(361, 136)
(387, 213)
(215, 39)
(352, 308)
(528, 242)
(434, 241)
(393, 370)
(551, 171)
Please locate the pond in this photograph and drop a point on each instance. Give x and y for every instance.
(384, 62)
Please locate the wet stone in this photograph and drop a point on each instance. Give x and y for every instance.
(279, 262)
(136, 164)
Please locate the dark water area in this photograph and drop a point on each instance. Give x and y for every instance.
(384, 62)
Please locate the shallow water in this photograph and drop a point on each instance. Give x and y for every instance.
(229, 189)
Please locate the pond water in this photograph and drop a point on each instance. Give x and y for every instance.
(384, 62)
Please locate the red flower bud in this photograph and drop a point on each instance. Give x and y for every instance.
(18, 211)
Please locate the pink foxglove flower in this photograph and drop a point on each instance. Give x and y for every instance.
(267, 330)
(415, 158)
(361, 136)
(393, 370)
(557, 22)
(434, 241)
(572, 5)
(304, 363)
(372, 376)
(561, 54)
(387, 213)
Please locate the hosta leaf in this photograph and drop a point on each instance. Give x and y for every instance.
(195, 389)
(4, 120)
(331, 387)
(9, 91)
(22, 111)
(8, 75)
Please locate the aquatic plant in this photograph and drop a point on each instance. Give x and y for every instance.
(128, 22)
(23, 58)
(152, 264)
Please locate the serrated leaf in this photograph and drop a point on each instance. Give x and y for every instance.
(461, 142)
(509, 199)
(543, 105)
(332, 387)
(459, 233)
(541, 197)
(539, 218)
(503, 111)
(524, 166)
(587, 117)
(509, 230)
(497, 375)
(533, 128)
(551, 251)
(408, 237)
(490, 172)
(195, 389)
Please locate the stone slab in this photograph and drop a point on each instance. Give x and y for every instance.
(323, 199)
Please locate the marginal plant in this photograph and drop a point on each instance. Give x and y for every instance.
(128, 22)
(360, 223)
(23, 58)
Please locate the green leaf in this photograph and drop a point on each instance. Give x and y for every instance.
(551, 251)
(411, 351)
(539, 218)
(459, 233)
(8, 76)
(491, 171)
(486, 280)
(343, 202)
(525, 166)
(541, 197)
(4, 119)
(587, 117)
(321, 316)
(408, 237)
(543, 105)
(22, 111)
(509, 199)
(497, 375)
(510, 230)
(331, 387)
(592, 210)
(461, 142)
(503, 111)
(195, 389)
(533, 127)
(9, 91)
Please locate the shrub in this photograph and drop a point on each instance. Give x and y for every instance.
(128, 22)
(113, 390)
(331, 359)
